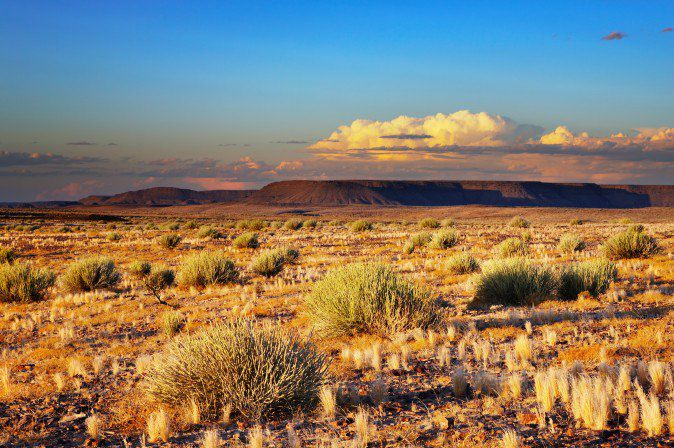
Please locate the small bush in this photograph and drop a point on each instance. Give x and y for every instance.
(113, 236)
(209, 233)
(630, 244)
(250, 224)
(444, 239)
(246, 240)
(140, 269)
(449, 222)
(260, 371)
(513, 282)
(419, 240)
(171, 226)
(169, 241)
(576, 222)
(361, 226)
(21, 283)
(512, 247)
(191, 225)
(270, 262)
(519, 222)
(207, 268)
(368, 298)
(172, 322)
(462, 263)
(90, 274)
(7, 255)
(429, 223)
(570, 243)
(310, 224)
(292, 224)
(159, 279)
(594, 277)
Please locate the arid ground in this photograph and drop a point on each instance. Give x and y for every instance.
(592, 370)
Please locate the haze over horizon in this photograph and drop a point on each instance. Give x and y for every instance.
(99, 98)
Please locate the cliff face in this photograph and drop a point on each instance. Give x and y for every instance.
(445, 193)
(168, 196)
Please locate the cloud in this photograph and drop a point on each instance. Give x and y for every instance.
(111, 144)
(9, 159)
(407, 136)
(292, 142)
(615, 35)
(81, 143)
(669, 29)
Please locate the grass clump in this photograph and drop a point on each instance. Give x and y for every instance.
(140, 269)
(171, 226)
(361, 226)
(90, 274)
(258, 371)
(449, 222)
(159, 279)
(633, 243)
(271, 262)
(310, 224)
(209, 233)
(172, 322)
(512, 247)
(576, 222)
(519, 222)
(429, 223)
(169, 241)
(113, 236)
(512, 282)
(292, 224)
(368, 298)
(462, 263)
(594, 276)
(7, 255)
(444, 239)
(21, 283)
(419, 240)
(246, 240)
(207, 268)
(570, 243)
(250, 224)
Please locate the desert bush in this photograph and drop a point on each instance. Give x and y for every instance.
(513, 282)
(310, 224)
(207, 268)
(90, 274)
(191, 225)
(630, 244)
(159, 279)
(429, 223)
(260, 371)
(140, 269)
(419, 240)
(20, 282)
(576, 222)
(169, 241)
(270, 262)
(570, 243)
(368, 298)
(250, 224)
(361, 226)
(462, 263)
(512, 247)
(444, 239)
(7, 255)
(519, 222)
(172, 322)
(246, 240)
(171, 226)
(113, 236)
(292, 224)
(592, 276)
(209, 232)
(449, 222)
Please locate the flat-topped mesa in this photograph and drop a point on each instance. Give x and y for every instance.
(168, 196)
(447, 193)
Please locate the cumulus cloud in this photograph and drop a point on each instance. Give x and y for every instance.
(9, 159)
(615, 35)
(292, 142)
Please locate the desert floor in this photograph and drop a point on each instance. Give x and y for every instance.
(72, 356)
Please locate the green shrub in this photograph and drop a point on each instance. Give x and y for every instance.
(444, 239)
(361, 226)
(368, 298)
(207, 268)
(512, 247)
(19, 282)
(172, 322)
(113, 236)
(171, 226)
(429, 223)
(512, 282)
(246, 240)
(140, 269)
(270, 262)
(570, 243)
(292, 224)
(310, 224)
(209, 232)
(260, 371)
(462, 263)
(191, 225)
(419, 240)
(594, 277)
(519, 222)
(169, 241)
(7, 255)
(90, 274)
(636, 228)
(250, 224)
(630, 244)
(159, 279)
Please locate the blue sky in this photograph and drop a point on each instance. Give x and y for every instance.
(227, 80)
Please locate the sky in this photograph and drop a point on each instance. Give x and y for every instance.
(100, 97)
